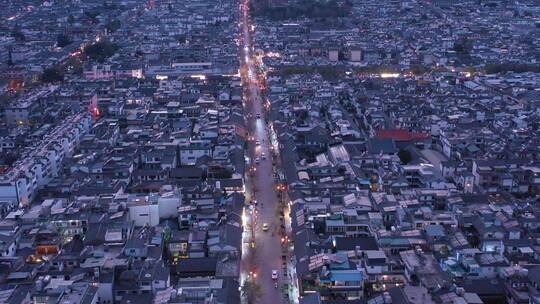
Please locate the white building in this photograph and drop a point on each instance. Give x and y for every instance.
(41, 163)
(149, 210)
(356, 55)
(104, 71)
(193, 150)
(333, 55)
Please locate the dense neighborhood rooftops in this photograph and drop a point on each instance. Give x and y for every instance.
(402, 141)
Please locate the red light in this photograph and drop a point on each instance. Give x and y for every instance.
(95, 111)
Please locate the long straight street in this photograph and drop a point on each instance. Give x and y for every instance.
(267, 240)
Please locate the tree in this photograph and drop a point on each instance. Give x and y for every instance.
(53, 74)
(302, 115)
(101, 50)
(113, 25)
(252, 291)
(418, 69)
(444, 250)
(463, 46)
(405, 156)
(9, 158)
(92, 15)
(220, 172)
(181, 39)
(320, 11)
(514, 67)
(62, 40)
(323, 111)
(18, 35)
(74, 65)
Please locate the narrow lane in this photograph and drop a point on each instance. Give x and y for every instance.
(268, 243)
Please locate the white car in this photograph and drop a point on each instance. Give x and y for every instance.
(263, 156)
(274, 274)
(257, 160)
(258, 143)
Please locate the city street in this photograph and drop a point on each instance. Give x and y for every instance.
(262, 187)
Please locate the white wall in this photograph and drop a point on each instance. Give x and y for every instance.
(187, 158)
(105, 293)
(8, 192)
(356, 55)
(144, 215)
(168, 207)
(160, 284)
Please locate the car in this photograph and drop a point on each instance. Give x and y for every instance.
(257, 160)
(274, 274)
(258, 115)
(265, 227)
(263, 155)
(258, 143)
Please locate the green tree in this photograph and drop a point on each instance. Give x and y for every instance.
(321, 11)
(18, 35)
(101, 50)
(444, 250)
(62, 40)
(113, 25)
(166, 233)
(323, 111)
(419, 69)
(405, 156)
(74, 65)
(181, 38)
(251, 291)
(463, 46)
(9, 158)
(53, 74)
(92, 15)
(514, 67)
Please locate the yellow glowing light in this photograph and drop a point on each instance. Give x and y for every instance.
(244, 218)
(200, 77)
(389, 75)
